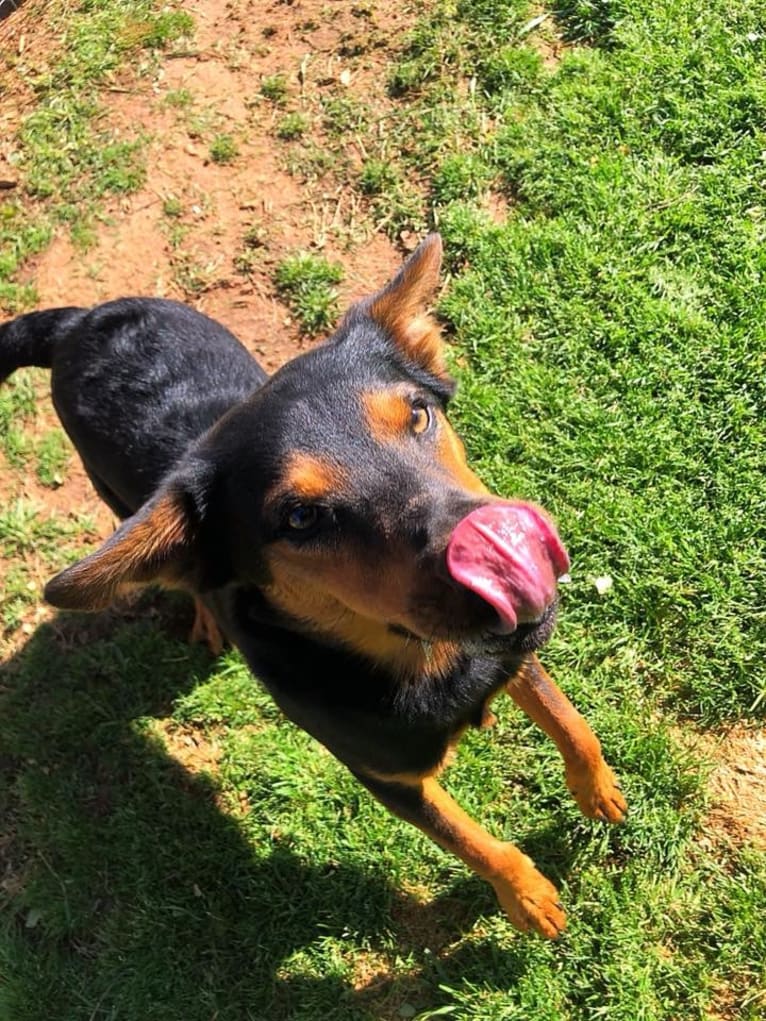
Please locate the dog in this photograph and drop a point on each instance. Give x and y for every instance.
(327, 523)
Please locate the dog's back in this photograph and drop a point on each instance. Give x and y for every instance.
(134, 382)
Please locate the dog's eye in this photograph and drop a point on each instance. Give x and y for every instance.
(421, 418)
(302, 517)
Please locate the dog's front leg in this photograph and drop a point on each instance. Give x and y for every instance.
(588, 777)
(529, 899)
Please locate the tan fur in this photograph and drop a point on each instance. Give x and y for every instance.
(531, 901)
(451, 455)
(388, 414)
(588, 777)
(143, 553)
(311, 478)
(400, 308)
(339, 598)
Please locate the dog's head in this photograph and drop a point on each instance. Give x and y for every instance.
(342, 492)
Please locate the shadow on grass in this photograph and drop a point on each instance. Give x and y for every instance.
(588, 21)
(128, 892)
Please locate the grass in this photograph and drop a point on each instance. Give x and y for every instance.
(275, 88)
(292, 126)
(174, 849)
(306, 282)
(223, 149)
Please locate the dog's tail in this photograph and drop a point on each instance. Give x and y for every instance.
(29, 339)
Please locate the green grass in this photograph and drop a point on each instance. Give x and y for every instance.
(223, 149)
(31, 542)
(610, 339)
(17, 408)
(307, 282)
(292, 126)
(52, 458)
(275, 88)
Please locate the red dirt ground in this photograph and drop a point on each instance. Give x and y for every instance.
(235, 46)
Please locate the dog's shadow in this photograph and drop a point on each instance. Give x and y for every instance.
(132, 893)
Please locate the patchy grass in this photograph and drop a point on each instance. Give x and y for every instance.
(307, 282)
(67, 162)
(52, 454)
(173, 849)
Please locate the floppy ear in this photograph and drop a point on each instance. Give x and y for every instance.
(156, 544)
(401, 308)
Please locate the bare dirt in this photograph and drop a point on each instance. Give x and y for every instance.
(323, 50)
(196, 751)
(737, 786)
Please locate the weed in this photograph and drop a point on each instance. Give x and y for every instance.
(377, 176)
(275, 88)
(459, 176)
(223, 149)
(18, 406)
(342, 115)
(180, 99)
(292, 126)
(193, 276)
(251, 254)
(591, 21)
(255, 236)
(52, 453)
(172, 207)
(306, 281)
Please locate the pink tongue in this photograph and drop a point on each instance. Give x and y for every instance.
(510, 555)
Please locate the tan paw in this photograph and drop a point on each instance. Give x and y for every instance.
(597, 793)
(531, 901)
(205, 629)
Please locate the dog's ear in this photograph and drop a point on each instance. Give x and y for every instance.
(401, 308)
(156, 544)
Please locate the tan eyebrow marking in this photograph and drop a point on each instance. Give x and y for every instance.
(310, 477)
(388, 415)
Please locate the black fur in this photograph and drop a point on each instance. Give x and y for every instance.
(30, 339)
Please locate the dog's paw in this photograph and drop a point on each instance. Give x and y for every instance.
(530, 900)
(205, 630)
(597, 793)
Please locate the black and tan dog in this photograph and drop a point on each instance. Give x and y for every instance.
(326, 520)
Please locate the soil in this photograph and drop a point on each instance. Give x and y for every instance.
(323, 50)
